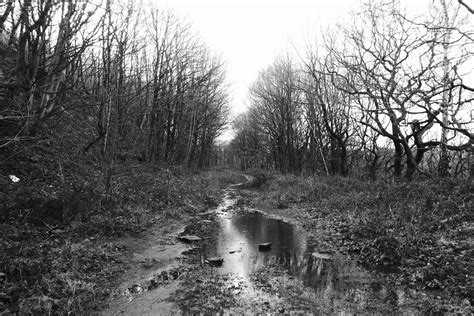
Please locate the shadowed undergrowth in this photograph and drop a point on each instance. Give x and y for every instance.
(58, 232)
(418, 234)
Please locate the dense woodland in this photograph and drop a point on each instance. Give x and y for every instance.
(111, 117)
(99, 101)
(383, 96)
(112, 81)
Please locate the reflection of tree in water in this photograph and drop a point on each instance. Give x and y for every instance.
(256, 228)
(259, 228)
(246, 230)
(337, 283)
(319, 274)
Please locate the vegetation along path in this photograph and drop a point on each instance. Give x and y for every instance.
(123, 149)
(255, 253)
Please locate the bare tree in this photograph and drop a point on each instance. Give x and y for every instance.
(392, 66)
(334, 108)
(467, 6)
(188, 105)
(277, 109)
(249, 144)
(44, 69)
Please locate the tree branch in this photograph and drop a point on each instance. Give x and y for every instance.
(471, 10)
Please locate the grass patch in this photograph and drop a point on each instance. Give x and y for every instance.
(417, 232)
(205, 291)
(59, 254)
(260, 179)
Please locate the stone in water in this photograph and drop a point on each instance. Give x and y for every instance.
(264, 246)
(189, 238)
(215, 261)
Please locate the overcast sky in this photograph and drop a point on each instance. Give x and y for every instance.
(250, 34)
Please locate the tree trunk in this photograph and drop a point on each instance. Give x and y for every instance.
(397, 165)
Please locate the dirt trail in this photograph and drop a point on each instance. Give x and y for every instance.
(150, 256)
(170, 277)
(158, 264)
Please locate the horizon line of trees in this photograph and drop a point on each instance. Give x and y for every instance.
(384, 95)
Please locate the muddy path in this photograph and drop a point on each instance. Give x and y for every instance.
(234, 259)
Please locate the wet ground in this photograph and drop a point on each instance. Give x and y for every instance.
(289, 274)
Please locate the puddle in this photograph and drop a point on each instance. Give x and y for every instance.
(241, 233)
(313, 279)
(336, 282)
(155, 267)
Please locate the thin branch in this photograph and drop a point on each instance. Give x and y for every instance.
(471, 10)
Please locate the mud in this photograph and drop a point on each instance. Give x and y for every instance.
(294, 275)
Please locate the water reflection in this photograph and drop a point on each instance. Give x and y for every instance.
(242, 232)
(337, 282)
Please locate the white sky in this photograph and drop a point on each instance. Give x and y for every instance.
(250, 34)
